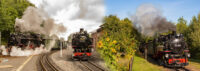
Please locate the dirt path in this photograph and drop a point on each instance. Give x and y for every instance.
(23, 63)
(193, 66)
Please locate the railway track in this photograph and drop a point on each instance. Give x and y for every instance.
(90, 66)
(151, 60)
(178, 69)
(45, 63)
(181, 69)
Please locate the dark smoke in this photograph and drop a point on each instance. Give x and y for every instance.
(149, 21)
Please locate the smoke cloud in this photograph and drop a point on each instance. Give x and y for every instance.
(16, 51)
(74, 14)
(3, 50)
(19, 52)
(149, 20)
(54, 17)
(35, 20)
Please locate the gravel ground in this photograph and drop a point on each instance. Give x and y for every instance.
(31, 65)
(98, 60)
(13, 63)
(67, 64)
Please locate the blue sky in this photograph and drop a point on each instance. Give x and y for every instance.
(171, 9)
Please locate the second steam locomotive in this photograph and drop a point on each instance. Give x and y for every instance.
(82, 45)
(170, 50)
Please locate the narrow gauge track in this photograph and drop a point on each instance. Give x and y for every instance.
(178, 69)
(153, 61)
(91, 66)
(181, 69)
(46, 64)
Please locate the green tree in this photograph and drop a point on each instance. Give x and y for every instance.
(181, 26)
(194, 36)
(9, 11)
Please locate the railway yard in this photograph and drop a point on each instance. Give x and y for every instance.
(66, 63)
(52, 61)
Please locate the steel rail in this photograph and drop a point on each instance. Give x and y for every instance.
(46, 64)
(89, 67)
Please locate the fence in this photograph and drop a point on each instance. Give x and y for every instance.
(131, 64)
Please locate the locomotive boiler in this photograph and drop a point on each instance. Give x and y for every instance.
(82, 45)
(170, 50)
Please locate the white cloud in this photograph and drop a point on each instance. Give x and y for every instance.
(74, 14)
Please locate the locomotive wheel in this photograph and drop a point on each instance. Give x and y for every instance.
(73, 58)
(145, 53)
(160, 62)
(84, 59)
(163, 61)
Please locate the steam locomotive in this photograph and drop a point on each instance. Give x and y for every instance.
(32, 40)
(25, 39)
(170, 50)
(82, 45)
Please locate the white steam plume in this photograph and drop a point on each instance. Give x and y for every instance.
(15, 51)
(74, 14)
(35, 20)
(3, 50)
(149, 20)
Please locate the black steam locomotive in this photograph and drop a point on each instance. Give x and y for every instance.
(82, 45)
(25, 39)
(32, 40)
(169, 50)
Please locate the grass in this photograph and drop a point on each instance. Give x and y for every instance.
(195, 62)
(140, 64)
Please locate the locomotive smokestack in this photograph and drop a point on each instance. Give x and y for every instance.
(149, 21)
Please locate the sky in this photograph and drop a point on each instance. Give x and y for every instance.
(73, 14)
(88, 14)
(171, 9)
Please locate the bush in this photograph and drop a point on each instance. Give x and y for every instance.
(118, 40)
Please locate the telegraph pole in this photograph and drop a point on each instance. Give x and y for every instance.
(61, 49)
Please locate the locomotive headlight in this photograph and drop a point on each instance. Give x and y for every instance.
(188, 55)
(167, 55)
(92, 50)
